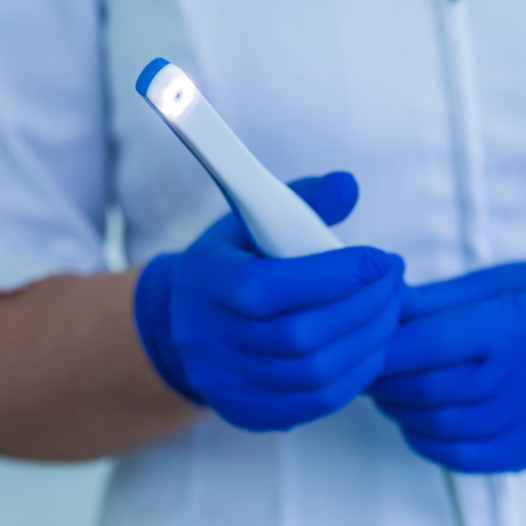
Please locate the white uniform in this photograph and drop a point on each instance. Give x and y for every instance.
(424, 100)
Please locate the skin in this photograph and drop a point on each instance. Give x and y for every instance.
(75, 383)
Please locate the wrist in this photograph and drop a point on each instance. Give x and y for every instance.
(152, 318)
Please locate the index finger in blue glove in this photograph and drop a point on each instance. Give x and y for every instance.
(471, 288)
(447, 338)
(264, 288)
(304, 331)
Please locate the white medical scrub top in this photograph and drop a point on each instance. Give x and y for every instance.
(424, 100)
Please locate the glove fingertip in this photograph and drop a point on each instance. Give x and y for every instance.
(375, 264)
(397, 264)
(332, 196)
(340, 195)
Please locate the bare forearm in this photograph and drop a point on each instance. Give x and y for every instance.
(74, 381)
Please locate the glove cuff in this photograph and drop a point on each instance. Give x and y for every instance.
(152, 319)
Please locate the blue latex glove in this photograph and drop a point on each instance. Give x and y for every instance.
(268, 343)
(455, 377)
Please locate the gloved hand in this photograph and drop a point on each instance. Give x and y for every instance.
(455, 376)
(268, 343)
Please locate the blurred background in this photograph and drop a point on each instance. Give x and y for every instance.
(51, 494)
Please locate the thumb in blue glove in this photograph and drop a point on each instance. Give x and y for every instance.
(268, 343)
(455, 377)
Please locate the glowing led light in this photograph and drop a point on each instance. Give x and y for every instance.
(177, 96)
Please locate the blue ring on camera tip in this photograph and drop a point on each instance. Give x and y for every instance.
(148, 74)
